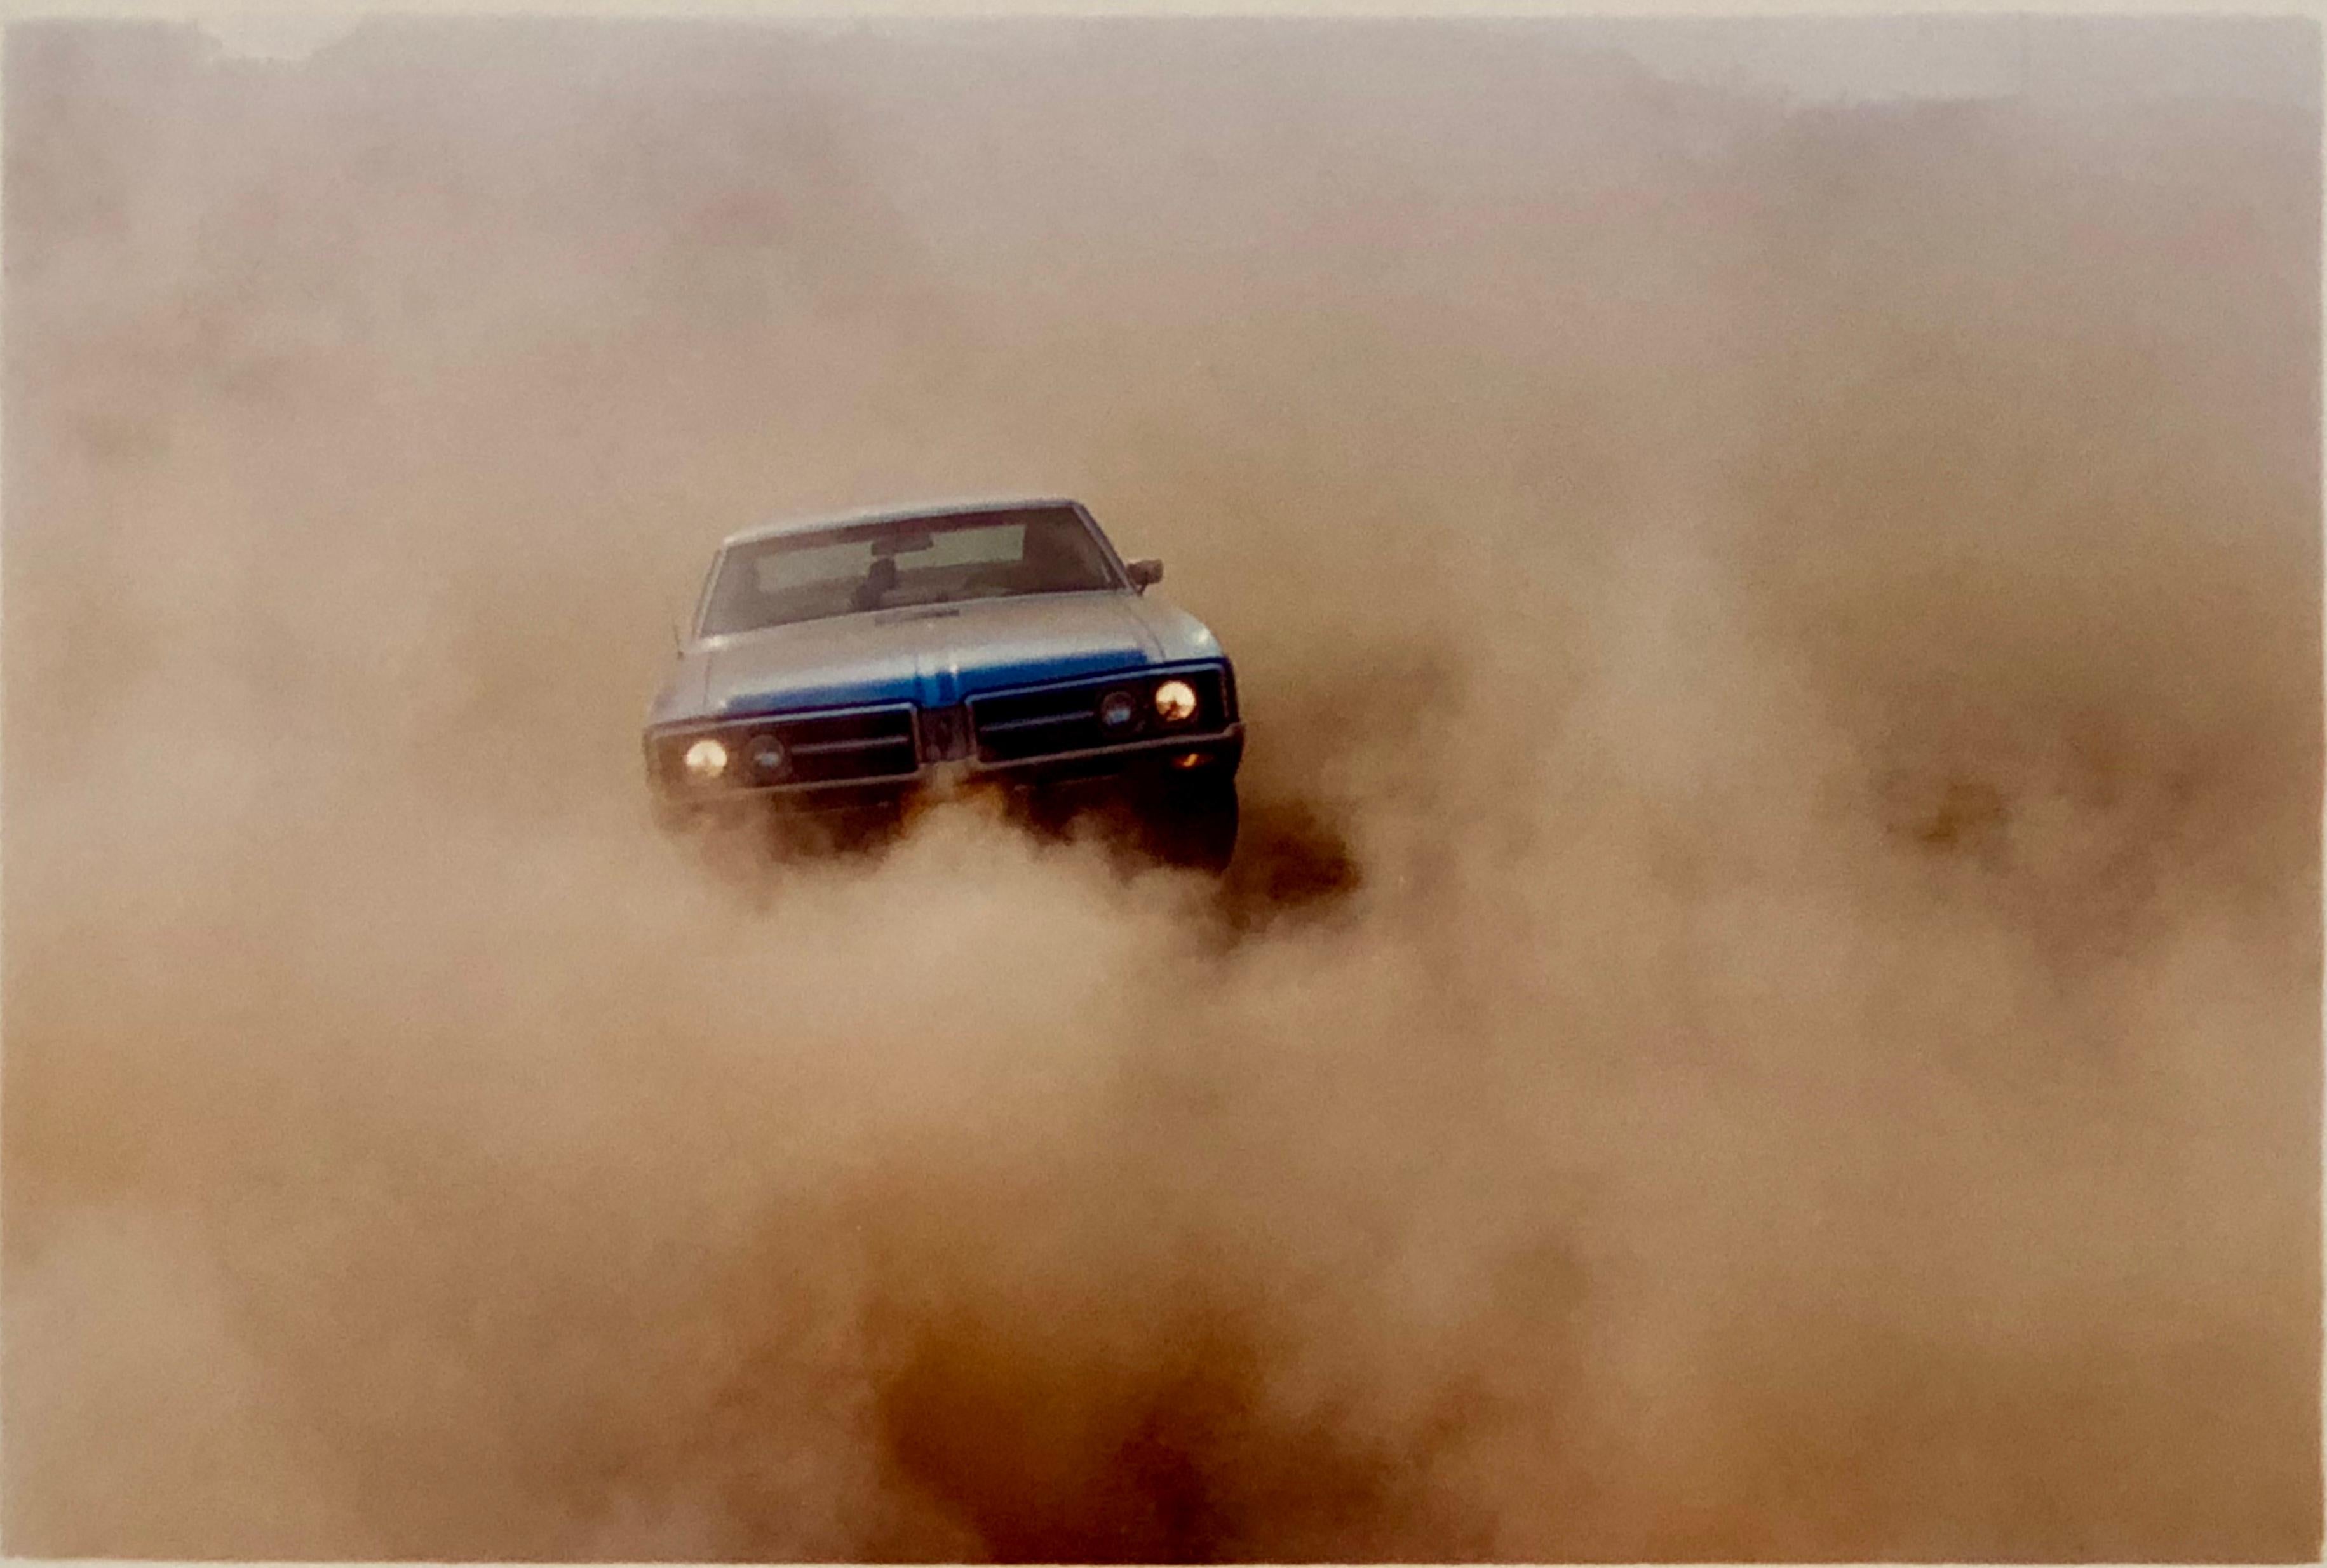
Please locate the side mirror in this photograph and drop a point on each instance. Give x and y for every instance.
(1144, 574)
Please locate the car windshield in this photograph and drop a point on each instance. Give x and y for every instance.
(903, 562)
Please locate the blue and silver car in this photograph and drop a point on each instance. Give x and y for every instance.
(856, 663)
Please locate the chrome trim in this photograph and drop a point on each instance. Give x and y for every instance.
(1150, 676)
(708, 796)
(1137, 672)
(923, 770)
(793, 717)
(1037, 722)
(1234, 732)
(820, 748)
(739, 726)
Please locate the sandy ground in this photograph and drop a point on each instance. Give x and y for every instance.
(1769, 1007)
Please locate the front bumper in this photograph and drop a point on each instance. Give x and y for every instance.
(1067, 734)
(1161, 766)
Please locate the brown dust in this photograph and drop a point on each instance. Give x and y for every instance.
(1767, 1006)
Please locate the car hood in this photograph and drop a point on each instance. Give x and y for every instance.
(933, 654)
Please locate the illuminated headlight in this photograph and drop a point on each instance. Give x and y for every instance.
(1175, 702)
(706, 761)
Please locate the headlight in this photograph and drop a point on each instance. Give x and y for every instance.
(1175, 702)
(706, 761)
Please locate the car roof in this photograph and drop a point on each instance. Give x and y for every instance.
(889, 514)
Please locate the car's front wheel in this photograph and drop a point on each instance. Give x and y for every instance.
(1193, 824)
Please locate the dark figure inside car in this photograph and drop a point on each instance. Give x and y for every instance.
(1057, 558)
(880, 582)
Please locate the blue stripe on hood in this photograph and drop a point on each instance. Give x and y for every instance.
(931, 687)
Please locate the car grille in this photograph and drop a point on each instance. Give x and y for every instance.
(862, 745)
(1049, 721)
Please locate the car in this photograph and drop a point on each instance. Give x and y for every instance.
(842, 668)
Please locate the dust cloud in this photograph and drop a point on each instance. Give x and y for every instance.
(1769, 1006)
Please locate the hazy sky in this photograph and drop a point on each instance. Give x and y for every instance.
(1822, 57)
(1979, 56)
